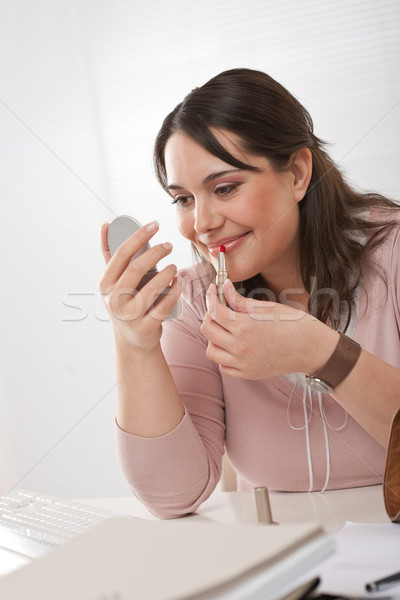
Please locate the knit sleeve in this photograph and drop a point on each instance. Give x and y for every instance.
(174, 473)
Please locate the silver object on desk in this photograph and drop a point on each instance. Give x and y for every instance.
(264, 513)
(390, 580)
(303, 591)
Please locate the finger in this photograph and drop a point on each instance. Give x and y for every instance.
(161, 310)
(127, 304)
(220, 356)
(216, 334)
(231, 371)
(210, 298)
(258, 309)
(223, 315)
(104, 242)
(142, 269)
(137, 272)
(235, 300)
(149, 295)
(122, 256)
(212, 302)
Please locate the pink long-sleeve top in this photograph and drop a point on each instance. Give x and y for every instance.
(274, 432)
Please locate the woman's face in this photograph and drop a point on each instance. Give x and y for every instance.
(253, 214)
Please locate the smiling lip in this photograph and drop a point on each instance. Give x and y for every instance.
(230, 245)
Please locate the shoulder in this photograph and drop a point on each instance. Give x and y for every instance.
(387, 248)
(380, 216)
(382, 266)
(379, 313)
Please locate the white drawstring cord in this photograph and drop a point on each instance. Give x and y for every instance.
(327, 450)
(299, 381)
(305, 427)
(308, 445)
(325, 419)
(307, 402)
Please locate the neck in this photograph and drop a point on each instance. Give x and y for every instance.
(287, 288)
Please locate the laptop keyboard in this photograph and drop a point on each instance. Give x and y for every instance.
(32, 523)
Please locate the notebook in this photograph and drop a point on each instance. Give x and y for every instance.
(125, 558)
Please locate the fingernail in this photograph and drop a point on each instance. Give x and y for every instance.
(152, 226)
(167, 246)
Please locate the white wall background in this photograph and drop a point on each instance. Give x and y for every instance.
(84, 86)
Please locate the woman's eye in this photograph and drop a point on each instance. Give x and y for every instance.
(182, 201)
(225, 190)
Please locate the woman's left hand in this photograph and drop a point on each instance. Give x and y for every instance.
(253, 339)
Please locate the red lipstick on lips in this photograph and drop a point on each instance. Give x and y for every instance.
(222, 275)
(230, 245)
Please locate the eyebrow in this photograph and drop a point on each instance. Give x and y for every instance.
(207, 179)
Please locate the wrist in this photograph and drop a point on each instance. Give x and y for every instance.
(338, 366)
(126, 349)
(319, 343)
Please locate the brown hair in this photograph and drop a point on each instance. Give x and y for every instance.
(270, 122)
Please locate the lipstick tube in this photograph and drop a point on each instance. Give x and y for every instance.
(222, 275)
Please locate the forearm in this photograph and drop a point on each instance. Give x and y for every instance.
(371, 394)
(172, 462)
(162, 455)
(371, 391)
(267, 339)
(171, 474)
(148, 404)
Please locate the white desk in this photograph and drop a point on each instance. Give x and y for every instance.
(331, 510)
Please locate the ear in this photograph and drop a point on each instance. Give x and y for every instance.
(301, 169)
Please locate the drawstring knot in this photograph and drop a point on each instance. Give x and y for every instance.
(307, 403)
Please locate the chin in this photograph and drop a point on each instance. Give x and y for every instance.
(238, 276)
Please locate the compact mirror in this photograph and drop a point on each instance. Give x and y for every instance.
(120, 229)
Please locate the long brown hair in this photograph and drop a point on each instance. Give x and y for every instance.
(270, 122)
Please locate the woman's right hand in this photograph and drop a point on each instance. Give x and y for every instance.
(134, 319)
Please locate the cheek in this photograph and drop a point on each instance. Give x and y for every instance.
(185, 224)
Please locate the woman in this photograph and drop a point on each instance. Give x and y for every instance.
(297, 405)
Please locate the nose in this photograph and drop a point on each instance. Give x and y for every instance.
(207, 216)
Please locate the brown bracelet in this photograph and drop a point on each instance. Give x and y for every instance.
(337, 368)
